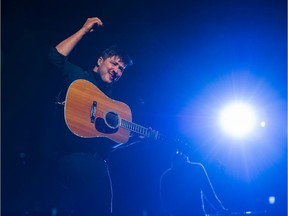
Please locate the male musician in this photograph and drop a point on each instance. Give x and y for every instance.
(83, 184)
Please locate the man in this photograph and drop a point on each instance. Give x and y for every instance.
(185, 186)
(82, 184)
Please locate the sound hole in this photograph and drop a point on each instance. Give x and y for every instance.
(112, 119)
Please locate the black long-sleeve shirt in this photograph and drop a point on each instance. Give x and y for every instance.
(67, 142)
(69, 72)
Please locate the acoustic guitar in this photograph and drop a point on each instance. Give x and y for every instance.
(90, 113)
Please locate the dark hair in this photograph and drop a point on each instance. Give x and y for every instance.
(115, 50)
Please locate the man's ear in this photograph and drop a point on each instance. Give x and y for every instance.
(100, 60)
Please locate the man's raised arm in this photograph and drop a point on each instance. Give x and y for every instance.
(67, 45)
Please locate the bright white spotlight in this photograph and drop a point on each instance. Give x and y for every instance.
(238, 119)
(263, 124)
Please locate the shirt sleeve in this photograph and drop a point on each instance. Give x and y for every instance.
(56, 58)
(68, 71)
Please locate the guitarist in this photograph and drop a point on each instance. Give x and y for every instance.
(83, 184)
(185, 189)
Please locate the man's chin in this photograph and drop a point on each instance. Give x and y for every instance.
(108, 82)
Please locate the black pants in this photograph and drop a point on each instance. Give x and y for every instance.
(84, 186)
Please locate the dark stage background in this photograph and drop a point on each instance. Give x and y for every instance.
(183, 52)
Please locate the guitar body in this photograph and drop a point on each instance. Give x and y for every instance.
(90, 113)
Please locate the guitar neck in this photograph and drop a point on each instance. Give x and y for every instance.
(146, 132)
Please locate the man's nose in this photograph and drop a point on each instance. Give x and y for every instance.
(116, 71)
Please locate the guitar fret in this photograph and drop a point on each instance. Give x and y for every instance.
(133, 127)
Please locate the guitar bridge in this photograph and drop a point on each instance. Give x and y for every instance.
(93, 112)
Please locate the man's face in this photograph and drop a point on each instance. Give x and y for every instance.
(110, 69)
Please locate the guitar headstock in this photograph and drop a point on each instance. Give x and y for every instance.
(153, 134)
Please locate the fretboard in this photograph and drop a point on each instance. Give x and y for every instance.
(135, 128)
(146, 132)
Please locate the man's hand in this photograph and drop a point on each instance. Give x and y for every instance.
(90, 23)
(67, 45)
